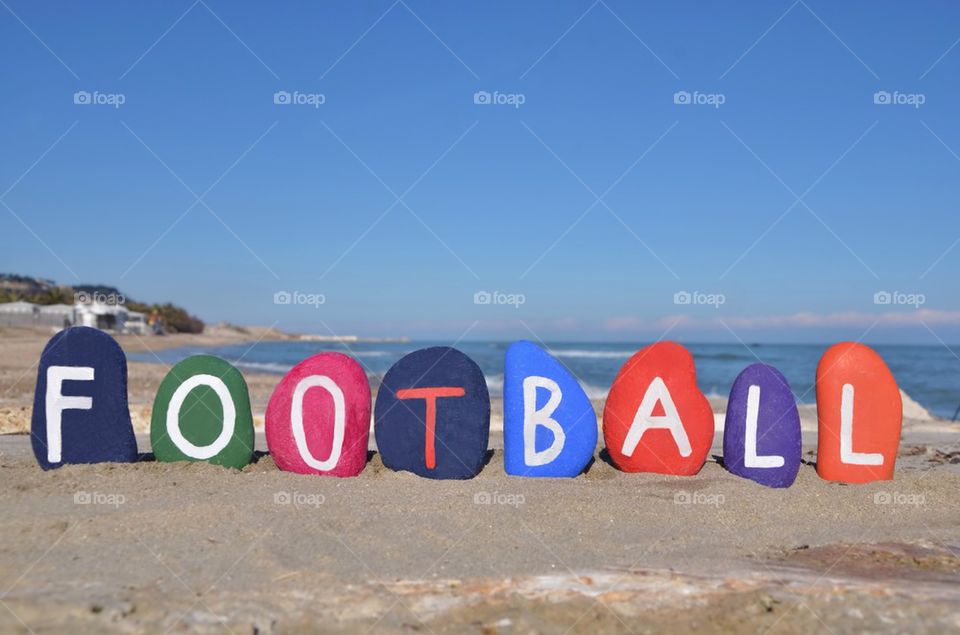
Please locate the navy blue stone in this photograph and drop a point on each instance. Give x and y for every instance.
(778, 426)
(102, 433)
(462, 426)
(574, 414)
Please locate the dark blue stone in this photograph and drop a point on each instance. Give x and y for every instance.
(574, 414)
(462, 426)
(778, 427)
(102, 433)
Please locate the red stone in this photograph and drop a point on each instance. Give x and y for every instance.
(669, 368)
(873, 431)
(321, 378)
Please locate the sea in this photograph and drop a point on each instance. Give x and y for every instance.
(929, 374)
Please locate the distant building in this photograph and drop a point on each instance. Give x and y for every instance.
(62, 315)
(137, 323)
(19, 314)
(99, 315)
(106, 317)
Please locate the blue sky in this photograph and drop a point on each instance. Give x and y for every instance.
(595, 201)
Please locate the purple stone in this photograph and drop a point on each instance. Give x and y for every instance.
(761, 395)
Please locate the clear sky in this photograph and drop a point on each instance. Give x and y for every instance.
(778, 185)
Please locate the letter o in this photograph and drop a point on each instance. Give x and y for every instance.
(229, 417)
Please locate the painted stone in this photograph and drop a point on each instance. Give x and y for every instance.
(318, 418)
(80, 412)
(202, 413)
(549, 426)
(859, 413)
(432, 415)
(761, 435)
(656, 419)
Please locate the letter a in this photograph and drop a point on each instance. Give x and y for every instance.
(645, 420)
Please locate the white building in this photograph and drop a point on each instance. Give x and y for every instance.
(19, 314)
(57, 315)
(137, 323)
(99, 315)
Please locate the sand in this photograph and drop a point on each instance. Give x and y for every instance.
(152, 547)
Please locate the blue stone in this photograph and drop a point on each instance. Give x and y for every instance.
(564, 441)
(432, 415)
(763, 390)
(85, 417)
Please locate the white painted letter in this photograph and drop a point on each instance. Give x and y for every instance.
(173, 417)
(847, 455)
(533, 418)
(644, 420)
(339, 421)
(56, 403)
(750, 458)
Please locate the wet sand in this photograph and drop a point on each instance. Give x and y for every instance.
(151, 547)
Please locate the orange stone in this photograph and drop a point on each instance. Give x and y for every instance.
(656, 419)
(860, 412)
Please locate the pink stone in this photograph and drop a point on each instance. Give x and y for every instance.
(335, 414)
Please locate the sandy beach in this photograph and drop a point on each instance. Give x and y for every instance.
(152, 547)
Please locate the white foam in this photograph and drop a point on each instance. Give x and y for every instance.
(577, 352)
(270, 367)
(495, 383)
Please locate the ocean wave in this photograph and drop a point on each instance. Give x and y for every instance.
(268, 367)
(495, 386)
(597, 354)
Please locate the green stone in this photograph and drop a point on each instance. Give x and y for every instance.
(203, 389)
